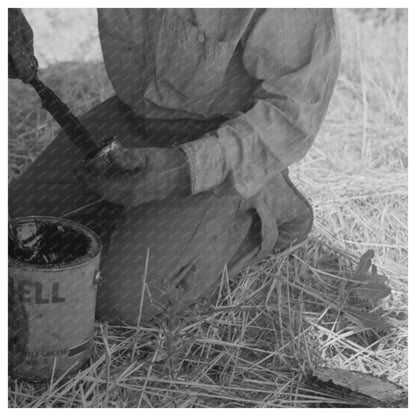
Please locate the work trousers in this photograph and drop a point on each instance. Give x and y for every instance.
(158, 255)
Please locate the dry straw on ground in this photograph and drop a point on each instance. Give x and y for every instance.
(255, 342)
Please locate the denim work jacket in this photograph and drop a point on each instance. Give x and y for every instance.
(270, 72)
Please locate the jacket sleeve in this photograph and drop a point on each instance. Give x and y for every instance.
(294, 55)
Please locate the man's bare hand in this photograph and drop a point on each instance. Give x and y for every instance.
(22, 62)
(139, 175)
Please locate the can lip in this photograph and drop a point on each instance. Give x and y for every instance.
(94, 249)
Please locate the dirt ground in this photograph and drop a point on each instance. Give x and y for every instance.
(64, 35)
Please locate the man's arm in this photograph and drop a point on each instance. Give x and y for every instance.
(295, 54)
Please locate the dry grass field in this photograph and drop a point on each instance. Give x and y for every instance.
(257, 341)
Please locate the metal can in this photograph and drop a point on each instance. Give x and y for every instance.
(53, 275)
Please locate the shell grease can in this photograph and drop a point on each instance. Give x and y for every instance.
(53, 275)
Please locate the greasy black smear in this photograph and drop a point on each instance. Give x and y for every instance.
(18, 327)
(51, 244)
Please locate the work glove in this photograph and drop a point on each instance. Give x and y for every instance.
(22, 62)
(138, 175)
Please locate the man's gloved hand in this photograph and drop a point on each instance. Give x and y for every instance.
(139, 175)
(22, 62)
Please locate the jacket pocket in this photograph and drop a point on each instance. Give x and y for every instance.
(188, 61)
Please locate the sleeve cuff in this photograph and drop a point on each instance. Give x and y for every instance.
(207, 163)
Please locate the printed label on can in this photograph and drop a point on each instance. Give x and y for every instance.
(39, 292)
(33, 358)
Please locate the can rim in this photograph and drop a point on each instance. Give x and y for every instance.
(93, 252)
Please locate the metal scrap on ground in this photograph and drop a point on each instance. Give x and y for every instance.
(386, 393)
